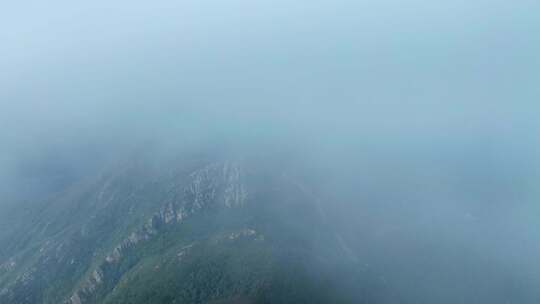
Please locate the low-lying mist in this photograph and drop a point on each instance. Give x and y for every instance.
(414, 124)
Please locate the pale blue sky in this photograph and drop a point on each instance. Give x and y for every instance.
(342, 69)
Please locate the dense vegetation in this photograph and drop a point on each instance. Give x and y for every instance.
(196, 232)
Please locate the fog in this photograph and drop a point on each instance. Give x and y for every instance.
(417, 122)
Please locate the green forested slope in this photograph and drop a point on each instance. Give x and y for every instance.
(191, 231)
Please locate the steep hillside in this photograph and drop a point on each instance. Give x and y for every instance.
(206, 230)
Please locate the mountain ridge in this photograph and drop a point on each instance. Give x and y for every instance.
(142, 211)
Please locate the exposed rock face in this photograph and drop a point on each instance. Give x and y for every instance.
(216, 185)
(64, 241)
(205, 224)
(8, 266)
(219, 183)
(75, 299)
(242, 233)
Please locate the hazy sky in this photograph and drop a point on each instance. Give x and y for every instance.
(338, 72)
